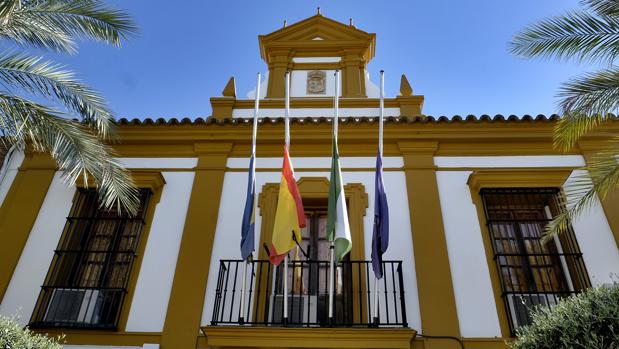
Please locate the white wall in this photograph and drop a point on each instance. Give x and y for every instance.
(316, 59)
(23, 291)
(152, 292)
(470, 275)
(227, 236)
(9, 171)
(313, 112)
(467, 257)
(596, 241)
(150, 301)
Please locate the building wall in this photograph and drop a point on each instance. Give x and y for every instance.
(476, 305)
(150, 301)
(226, 245)
(472, 284)
(23, 290)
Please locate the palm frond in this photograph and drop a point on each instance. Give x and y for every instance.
(30, 73)
(55, 24)
(600, 178)
(578, 35)
(603, 7)
(586, 102)
(78, 152)
(42, 37)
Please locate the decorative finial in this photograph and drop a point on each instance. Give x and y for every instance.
(285, 22)
(405, 87)
(230, 89)
(318, 10)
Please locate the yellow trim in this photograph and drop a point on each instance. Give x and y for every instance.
(455, 139)
(312, 188)
(336, 338)
(517, 178)
(514, 178)
(20, 209)
(317, 188)
(437, 303)
(409, 105)
(469, 343)
(192, 267)
(147, 179)
(92, 337)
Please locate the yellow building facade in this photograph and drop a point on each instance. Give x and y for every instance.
(468, 197)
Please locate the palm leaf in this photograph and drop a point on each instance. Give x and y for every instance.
(55, 24)
(601, 176)
(78, 152)
(586, 102)
(30, 73)
(579, 35)
(603, 7)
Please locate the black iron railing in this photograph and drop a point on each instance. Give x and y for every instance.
(308, 295)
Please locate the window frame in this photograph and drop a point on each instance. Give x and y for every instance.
(564, 275)
(524, 177)
(144, 180)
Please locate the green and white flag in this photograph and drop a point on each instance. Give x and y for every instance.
(338, 229)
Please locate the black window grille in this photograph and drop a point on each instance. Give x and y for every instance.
(87, 280)
(532, 272)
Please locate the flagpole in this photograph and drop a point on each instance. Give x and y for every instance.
(287, 140)
(332, 247)
(253, 155)
(380, 153)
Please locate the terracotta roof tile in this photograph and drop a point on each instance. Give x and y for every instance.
(344, 120)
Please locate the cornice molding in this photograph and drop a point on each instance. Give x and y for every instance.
(518, 178)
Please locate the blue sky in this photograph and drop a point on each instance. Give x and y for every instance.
(453, 52)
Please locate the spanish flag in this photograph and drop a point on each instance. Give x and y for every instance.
(289, 217)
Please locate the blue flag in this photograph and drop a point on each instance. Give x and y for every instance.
(247, 226)
(380, 236)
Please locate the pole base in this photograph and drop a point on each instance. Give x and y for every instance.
(241, 321)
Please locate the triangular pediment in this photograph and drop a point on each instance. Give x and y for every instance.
(314, 33)
(317, 26)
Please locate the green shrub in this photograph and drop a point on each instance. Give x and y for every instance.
(14, 336)
(587, 320)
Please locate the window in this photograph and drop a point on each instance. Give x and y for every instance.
(532, 273)
(87, 281)
(308, 277)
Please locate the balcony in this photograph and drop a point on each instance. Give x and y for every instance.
(259, 319)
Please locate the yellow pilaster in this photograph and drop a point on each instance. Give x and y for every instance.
(611, 203)
(436, 295)
(20, 209)
(187, 297)
(353, 79)
(278, 65)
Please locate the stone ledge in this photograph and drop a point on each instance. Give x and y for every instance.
(278, 337)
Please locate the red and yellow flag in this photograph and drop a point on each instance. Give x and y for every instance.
(289, 217)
